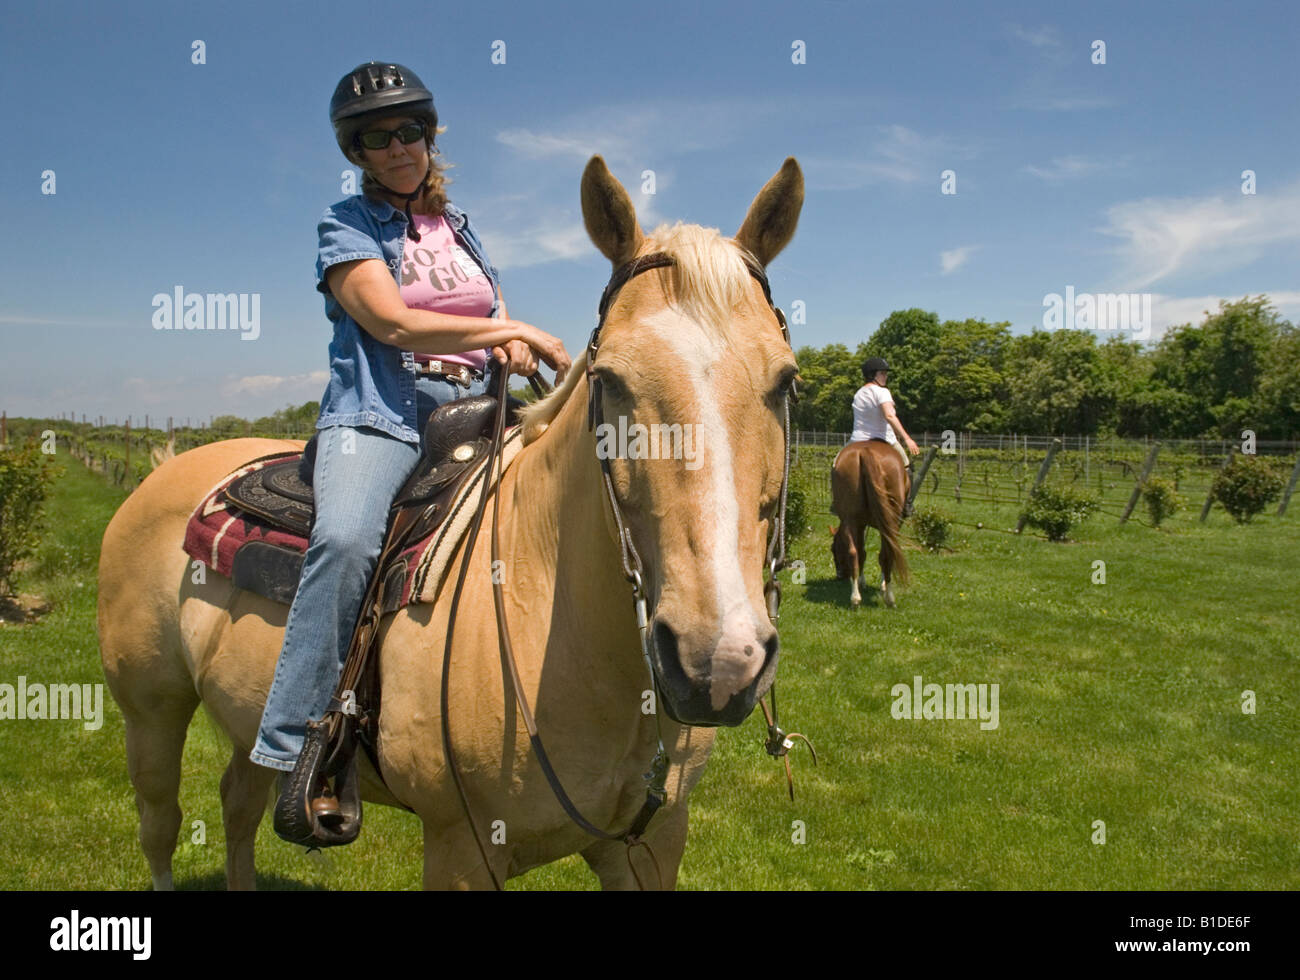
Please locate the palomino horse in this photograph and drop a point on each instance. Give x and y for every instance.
(694, 344)
(868, 488)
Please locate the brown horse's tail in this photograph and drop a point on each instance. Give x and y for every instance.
(884, 512)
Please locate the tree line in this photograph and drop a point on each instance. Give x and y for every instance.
(1239, 369)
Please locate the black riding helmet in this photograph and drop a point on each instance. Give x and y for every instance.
(372, 91)
(871, 365)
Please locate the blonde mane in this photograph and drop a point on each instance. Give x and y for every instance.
(708, 281)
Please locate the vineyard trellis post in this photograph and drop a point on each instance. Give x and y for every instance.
(1209, 494)
(921, 472)
(1147, 467)
(1290, 487)
(1042, 474)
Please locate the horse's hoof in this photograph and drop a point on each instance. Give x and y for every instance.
(855, 603)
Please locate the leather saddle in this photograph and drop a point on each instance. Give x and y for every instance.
(457, 436)
(280, 494)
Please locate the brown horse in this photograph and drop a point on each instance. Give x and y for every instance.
(869, 485)
(695, 343)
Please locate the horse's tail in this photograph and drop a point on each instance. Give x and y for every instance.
(883, 513)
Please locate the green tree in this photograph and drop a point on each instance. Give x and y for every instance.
(967, 377)
(25, 481)
(830, 377)
(910, 340)
(1278, 398)
(1218, 365)
(1058, 381)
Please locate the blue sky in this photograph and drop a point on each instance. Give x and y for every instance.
(1123, 176)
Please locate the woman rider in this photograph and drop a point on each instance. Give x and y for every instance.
(874, 416)
(417, 314)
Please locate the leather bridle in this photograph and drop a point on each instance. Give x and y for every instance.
(778, 742)
(775, 559)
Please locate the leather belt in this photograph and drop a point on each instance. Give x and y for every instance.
(443, 369)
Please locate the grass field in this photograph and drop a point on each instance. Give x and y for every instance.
(1118, 703)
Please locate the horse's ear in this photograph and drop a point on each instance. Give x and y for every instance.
(770, 223)
(609, 214)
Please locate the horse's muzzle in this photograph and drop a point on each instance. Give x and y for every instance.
(718, 688)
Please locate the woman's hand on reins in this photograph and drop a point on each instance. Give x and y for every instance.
(517, 356)
(541, 344)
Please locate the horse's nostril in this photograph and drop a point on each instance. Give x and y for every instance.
(772, 645)
(665, 639)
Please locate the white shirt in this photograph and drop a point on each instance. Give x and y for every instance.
(868, 416)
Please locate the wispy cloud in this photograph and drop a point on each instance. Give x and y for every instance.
(630, 138)
(954, 258)
(1062, 103)
(247, 394)
(1044, 38)
(289, 386)
(898, 155)
(1069, 167)
(545, 241)
(541, 231)
(1173, 311)
(1162, 237)
(537, 146)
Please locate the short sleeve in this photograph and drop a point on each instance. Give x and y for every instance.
(342, 239)
(883, 397)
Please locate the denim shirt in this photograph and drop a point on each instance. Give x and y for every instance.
(372, 383)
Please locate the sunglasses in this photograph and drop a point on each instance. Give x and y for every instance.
(378, 139)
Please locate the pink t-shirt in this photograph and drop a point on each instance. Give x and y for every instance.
(440, 276)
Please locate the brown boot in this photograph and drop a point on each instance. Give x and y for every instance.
(325, 805)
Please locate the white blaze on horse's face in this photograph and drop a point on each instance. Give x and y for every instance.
(701, 525)
(697, 343)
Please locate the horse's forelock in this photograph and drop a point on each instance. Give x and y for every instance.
(709, 278)
(708, 281)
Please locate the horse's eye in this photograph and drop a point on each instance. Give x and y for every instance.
(786, 386)
(610, 383)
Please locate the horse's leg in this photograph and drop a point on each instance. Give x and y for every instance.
(244, 790)
(886, 559)
(452, 861)
(609, 859)
(859, 572)
(154, 742)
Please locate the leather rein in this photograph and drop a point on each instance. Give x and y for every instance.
(777, 744)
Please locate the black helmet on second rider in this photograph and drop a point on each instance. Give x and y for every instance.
(871, 365)
(374, 90)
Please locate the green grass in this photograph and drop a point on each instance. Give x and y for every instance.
(1118, 702)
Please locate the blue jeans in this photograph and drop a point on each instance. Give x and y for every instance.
(357, 474)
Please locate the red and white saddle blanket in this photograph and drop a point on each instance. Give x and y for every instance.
(218, 530)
